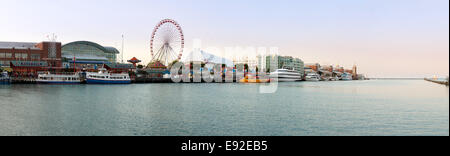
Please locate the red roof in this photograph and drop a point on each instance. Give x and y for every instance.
(134, 60)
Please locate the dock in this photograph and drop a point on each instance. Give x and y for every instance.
(21, 80)
(151, 80)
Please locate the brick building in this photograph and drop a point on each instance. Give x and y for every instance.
(314, 66)
(46, 55)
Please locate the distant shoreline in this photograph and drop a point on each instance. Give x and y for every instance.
(396, 78)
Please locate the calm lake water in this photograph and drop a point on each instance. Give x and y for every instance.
(378, 107)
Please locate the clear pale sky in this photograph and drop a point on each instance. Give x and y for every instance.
(385, 38)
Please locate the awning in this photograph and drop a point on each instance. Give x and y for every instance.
(88, 62)
(119, 66)
(29, 64)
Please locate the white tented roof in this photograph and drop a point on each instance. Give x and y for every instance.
(202, 56)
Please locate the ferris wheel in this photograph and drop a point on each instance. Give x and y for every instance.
(167, 42)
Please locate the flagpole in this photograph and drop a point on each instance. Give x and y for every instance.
(122, 46)
(74, 65)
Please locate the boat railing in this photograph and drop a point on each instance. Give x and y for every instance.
(61, 73)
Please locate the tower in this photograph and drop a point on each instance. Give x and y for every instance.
(355, 72)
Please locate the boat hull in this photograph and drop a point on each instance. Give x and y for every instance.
(254, 81)
(285, 75)
(288, 80)
(58, 82)
(96, 81)
(4, 78)
(314, 80)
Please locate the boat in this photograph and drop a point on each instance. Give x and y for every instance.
(49, 78)
(333, 78)
(285, 75)
(104, 77)
(312, 77)
(4, 78)
(346, 77)
(254, 79)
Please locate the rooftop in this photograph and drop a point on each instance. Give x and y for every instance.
(18, 45)
(89, 43)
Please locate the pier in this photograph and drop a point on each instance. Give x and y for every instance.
(437, 81)
(151, 80)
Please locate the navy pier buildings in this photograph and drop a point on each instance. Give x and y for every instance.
(29, 58)
(88, 55)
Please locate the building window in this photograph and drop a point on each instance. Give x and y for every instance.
(35, 56)
(24, 56)
(5, 55)
(21, 55)
(8, 55)
(4, 63)
(52, 50)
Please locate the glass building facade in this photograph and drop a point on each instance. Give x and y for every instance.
(89, 52)
(282, 62)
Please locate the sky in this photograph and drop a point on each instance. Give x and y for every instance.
(384, 38)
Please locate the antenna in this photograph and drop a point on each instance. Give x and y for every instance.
(52, 38)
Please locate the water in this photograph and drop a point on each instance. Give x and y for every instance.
(379, 107)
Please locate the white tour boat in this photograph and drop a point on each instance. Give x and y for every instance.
(104, 77)
(4, 78)
(312, 77)
(346, 77)
(49, 78)
(285, 75)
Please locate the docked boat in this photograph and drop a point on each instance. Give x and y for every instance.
(254, 79)
(49, 78)
(346, 77)
(285, 75)
(4, 78)
(334, 78)
(312, 77)
(104, 77)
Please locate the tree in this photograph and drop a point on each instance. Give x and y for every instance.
(172, 63)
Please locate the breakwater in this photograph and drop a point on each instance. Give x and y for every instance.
(443, 82)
